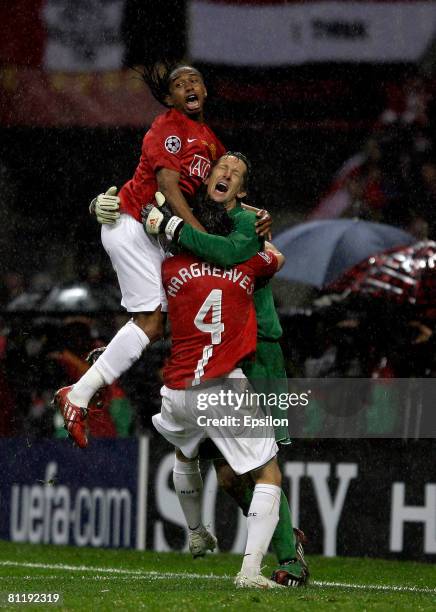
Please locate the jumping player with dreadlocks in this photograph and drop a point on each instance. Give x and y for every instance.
(177, 154)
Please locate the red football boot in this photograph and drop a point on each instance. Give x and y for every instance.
(74, 416)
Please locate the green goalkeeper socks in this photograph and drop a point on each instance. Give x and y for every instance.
(283, 541)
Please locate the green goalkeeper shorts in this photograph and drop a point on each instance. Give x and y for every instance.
(267, 375)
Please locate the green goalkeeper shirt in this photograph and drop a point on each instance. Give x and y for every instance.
(225, 251)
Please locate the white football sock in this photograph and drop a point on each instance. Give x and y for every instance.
(189, 487)
(122, 351)
(85, 387)
(262, 519)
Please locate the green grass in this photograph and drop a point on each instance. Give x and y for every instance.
(145, 582)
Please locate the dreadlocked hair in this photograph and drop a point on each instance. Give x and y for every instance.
(158, 77)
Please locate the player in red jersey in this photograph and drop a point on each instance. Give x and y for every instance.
(213, 322)
(205, 299)
(177, 154)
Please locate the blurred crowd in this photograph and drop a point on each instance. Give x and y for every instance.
(93, 287)
(359, 337)
(39, 354)
(393, 178)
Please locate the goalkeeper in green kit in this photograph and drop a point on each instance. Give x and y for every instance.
(226, 186)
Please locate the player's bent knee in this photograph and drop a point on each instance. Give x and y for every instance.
(268, 474)
(151, 323)
(181, 457)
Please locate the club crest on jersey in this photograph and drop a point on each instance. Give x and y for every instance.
(200, 166)
(173, 144)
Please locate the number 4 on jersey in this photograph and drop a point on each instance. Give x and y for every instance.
(215, 328)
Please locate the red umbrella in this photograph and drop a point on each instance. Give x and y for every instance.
(405, 276)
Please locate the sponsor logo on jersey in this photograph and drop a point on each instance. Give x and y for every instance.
(191, 139)
(173, 144)
(200, 166)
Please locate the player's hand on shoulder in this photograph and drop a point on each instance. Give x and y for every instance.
(264, 224)
(106, 207)
(157, 218)
(264, 220)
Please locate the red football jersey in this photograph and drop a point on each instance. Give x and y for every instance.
(175, 142)
(212, 316)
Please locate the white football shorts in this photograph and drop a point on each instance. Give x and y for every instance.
(245, 448)
(137, 262)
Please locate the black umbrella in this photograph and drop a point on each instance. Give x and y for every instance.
(318, 252)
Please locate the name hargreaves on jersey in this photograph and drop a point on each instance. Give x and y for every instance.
(204, 269)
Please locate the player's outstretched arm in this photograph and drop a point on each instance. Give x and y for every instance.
(106, 207)
(225, 251)
(221, 250)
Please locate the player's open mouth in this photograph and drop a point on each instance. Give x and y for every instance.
(222, 187)
(192, 102)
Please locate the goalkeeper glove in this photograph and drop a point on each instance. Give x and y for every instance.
(159, 219)
(106, 207)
